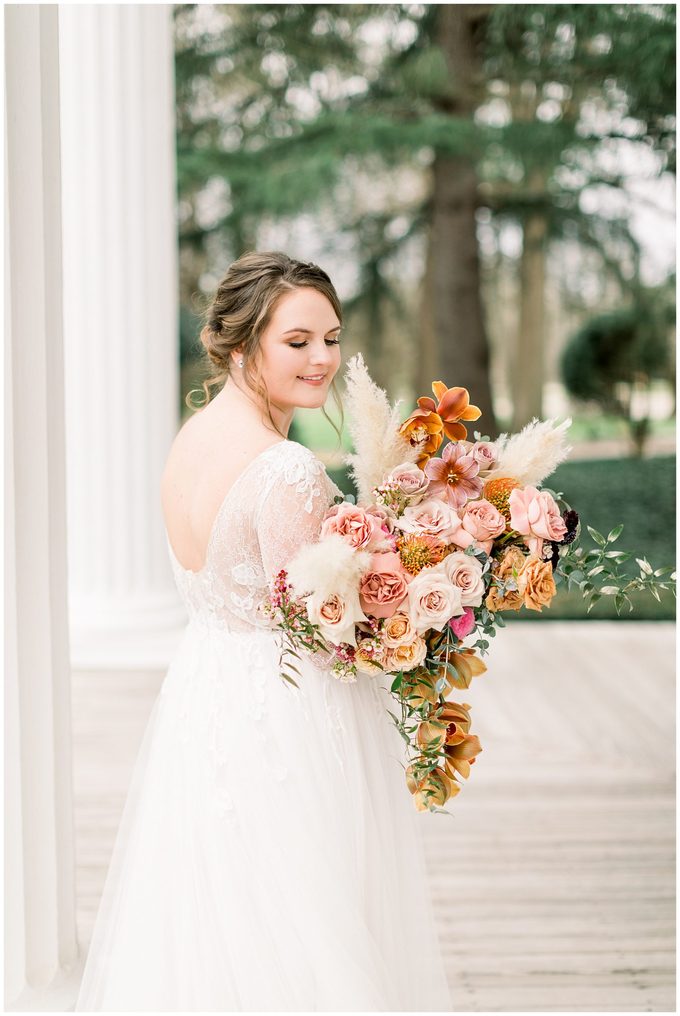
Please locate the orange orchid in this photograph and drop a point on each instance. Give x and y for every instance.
(460, 746)
(431, 734)
(452, 406)
(432, 790)
(424, 431)
(467, 665)
(419, 690)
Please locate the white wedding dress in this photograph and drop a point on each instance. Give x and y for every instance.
(269, 855)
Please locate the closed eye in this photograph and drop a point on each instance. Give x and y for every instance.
(299, 345)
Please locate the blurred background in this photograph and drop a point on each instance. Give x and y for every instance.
(491, 189)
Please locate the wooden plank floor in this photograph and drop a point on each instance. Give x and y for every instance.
(554, 881)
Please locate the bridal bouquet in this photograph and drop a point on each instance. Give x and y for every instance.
(413, 579)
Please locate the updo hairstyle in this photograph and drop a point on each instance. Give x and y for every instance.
(241, 310)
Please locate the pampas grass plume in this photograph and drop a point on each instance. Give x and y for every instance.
(374, 428)
(532, 454)
(330, 566)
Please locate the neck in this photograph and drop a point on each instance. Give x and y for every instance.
(236, 394)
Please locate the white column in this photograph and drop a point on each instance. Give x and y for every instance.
(120, 321)
(40, 933)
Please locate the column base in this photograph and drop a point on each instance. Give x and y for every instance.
(58, 996)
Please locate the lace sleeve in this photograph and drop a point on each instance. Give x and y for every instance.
(292, 507)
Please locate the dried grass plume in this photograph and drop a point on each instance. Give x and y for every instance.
(374, 428)
(330, 566)
(532, 454)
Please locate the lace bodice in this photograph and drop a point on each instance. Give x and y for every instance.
(274, 506)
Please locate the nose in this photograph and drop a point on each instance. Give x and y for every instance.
(321, 354)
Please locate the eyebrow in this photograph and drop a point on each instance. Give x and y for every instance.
(306, 331)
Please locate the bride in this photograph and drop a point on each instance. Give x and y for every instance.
(269, 856)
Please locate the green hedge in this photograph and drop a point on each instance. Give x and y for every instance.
(641, 494)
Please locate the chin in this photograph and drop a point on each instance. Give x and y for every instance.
(313, 398)
(313, 402)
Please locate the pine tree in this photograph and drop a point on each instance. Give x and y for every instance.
(279, 104)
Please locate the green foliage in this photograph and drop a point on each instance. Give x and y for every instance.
(280, 105)
(611, 356)
(641, 494)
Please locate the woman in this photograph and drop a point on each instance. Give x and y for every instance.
(269, 856)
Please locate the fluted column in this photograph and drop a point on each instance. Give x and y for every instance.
(40, 933)
(120, 320)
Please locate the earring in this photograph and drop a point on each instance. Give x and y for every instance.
(240, 363)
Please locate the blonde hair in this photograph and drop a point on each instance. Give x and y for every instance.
(240, 312)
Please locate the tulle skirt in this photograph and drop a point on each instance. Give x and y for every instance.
(269, 855)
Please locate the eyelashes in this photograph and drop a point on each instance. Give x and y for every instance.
(299, 345)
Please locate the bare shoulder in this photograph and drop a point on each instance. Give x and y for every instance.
(207, 455)
(185, 445)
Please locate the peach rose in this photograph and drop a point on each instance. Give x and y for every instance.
(536, 583)
(535, 516)
(384, 586)
(406, 656)
(432, 599)
(358, 527)
(410, 481)
(366, 658)
(397, 631)
(465, 572)
(484, 522)
(433, 518)
(513, 558)
(335, 617)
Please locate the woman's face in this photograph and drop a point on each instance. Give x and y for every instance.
(299, 350)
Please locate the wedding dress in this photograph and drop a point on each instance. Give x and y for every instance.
(269, 855)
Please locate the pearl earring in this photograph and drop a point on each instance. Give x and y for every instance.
(240, 363)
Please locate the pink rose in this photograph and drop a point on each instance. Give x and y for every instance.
(484, 452)
(535, 516)
(357, 526)
(465, 572)
(484, 522)
(460, 536)
(464, 624)
(385, 539)
(410, 480)
(432, 600)
(384, 586)
(433, 517)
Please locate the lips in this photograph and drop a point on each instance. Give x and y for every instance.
(311, 377)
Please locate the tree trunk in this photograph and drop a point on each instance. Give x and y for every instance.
(427, 366)
(453, 254)
(528, 371)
